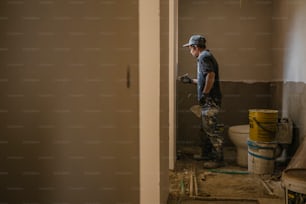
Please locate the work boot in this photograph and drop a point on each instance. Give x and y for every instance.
(216, 160)
(219, 156)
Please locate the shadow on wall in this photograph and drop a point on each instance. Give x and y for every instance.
(295, 141)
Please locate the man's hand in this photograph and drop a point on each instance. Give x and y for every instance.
(185, 79)
(203, 100)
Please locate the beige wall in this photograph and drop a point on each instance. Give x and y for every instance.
(253, 40)
(69, 122)
(239, 35)
(289, 42)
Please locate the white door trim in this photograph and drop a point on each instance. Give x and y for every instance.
(149, 101)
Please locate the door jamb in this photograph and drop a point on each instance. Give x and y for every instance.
(173, 53)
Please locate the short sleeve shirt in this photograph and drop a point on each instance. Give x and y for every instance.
(207, 63)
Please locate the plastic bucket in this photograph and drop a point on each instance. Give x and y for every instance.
(263, 124)
(261, 157)
(294, 181)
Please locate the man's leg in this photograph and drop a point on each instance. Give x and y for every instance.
(206, 146)
(212, 129)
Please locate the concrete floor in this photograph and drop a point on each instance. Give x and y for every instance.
(260, 201)
(229, 184)
(218, 202)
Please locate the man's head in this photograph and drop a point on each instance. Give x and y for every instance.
(196, 44)
(197, 40)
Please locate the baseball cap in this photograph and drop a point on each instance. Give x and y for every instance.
(196, 40)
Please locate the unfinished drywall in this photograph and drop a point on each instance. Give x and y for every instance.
(238, 98)
(239, 34)
(289, 47)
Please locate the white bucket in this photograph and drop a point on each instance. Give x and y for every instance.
(294, 181)
(261, 157)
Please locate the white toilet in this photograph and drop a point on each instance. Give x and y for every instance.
(239, 135)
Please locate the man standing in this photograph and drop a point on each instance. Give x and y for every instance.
(209, 96)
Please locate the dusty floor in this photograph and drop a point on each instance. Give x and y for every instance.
(191, 183)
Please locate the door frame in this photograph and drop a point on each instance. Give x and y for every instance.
(149, 101)
(149, 91)
(173, 62)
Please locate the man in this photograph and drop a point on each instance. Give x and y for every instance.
(209, 96)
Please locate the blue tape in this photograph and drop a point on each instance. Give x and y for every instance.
(259, 156)
(254, 146)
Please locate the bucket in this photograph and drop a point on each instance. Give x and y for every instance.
(263, 124)
(294, 181)
(261, 157)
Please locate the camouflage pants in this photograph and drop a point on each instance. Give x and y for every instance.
(211, 128)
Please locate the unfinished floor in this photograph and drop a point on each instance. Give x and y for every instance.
(191, 183)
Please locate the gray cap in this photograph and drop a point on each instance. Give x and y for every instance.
(196, 40)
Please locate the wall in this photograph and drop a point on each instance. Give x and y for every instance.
(164, 99)
(239, 33)
(69, 118)
(261, 58)
(289, 47)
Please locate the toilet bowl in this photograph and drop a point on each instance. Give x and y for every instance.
(239, 136)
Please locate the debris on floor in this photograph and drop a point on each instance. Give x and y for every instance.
(191, 180)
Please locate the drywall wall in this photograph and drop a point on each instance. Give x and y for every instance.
(239, 97)
(239, 34)
(288, 42)
(289, 48)
(269, 36)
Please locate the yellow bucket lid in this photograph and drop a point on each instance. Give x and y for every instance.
(263, 110)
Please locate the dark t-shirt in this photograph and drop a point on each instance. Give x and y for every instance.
(207, 63)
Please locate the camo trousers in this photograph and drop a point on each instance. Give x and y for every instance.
(212, 129)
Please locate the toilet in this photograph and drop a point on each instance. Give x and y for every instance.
(239, 135)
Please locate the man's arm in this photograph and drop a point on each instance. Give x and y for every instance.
(194, 81)
(187, 80)
(210, 79)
